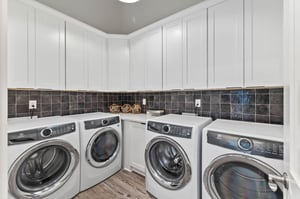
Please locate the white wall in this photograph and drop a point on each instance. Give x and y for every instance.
(3, 100)
(292, 96)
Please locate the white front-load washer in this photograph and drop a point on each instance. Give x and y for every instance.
(101, 147)
(237, 159)
(43, 158)
(172, 155)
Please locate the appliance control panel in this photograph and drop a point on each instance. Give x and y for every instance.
(253, 146)
(169, 129)
(37, 134)
(94, 124)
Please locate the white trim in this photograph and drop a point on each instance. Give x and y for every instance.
(3, 99)
(178, 15)
(116, 36)
(65, 17)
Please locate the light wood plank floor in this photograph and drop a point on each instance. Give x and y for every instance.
(123, 185)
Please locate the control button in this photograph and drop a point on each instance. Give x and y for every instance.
(280, 150)
(269, 148)
(259, 147)
(46, 132)
(179, 132)
(245, 144)
(275, 148)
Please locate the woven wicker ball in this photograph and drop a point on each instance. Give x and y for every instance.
(114, 108)
(126, 108)
(136, 108)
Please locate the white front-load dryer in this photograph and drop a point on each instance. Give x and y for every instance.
(43, 158)
(237, 159)
(172, 155)
(101, 147)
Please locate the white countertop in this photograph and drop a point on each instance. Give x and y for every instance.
(141, 117)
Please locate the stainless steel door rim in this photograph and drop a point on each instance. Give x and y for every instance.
(53, 186)
(180, 158)
(88, 154)
(220, 161)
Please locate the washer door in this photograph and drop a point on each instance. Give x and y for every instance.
(103, 147)
(235, 176)
(167, 163)
(42, 169)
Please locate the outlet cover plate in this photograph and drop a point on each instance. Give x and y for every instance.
(198, 103)
(32, 104)
(144, 102)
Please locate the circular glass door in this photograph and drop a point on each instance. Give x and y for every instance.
(103, 147)
(235, 176)
(42, 169)
(167, 163)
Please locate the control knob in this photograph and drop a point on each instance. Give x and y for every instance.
(245, 144)
(104, 122)
(166, 128)
(46, 132)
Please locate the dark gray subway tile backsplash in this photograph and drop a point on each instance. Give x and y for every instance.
(255, 105)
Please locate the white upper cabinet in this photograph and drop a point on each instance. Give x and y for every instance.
(50, 51)
(76, 69)
(263, 42)
(230, 43)
(195, 51)
(21, 45)
(173, 55)
(86, 67)
(225, 44)
(36, 48)
(154, 60)
(137, 64)
(146, 61)
(118, 64)
(96, 62)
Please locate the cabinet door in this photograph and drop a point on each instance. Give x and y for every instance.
(173, 55)
(137, 64)
(137, 146)
(195, 51)
(153, 60)
(96, 62)
(76, 70)
(263, 42)
(118, 64)
(225, 44)
(50, 51)
(21, 45)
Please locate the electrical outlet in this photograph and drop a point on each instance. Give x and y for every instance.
(198, 103)
(32, 104)
(144, 102)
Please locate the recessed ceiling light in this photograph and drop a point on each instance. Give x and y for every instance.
(129, 1)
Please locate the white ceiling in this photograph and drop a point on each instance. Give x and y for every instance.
(114, 17)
